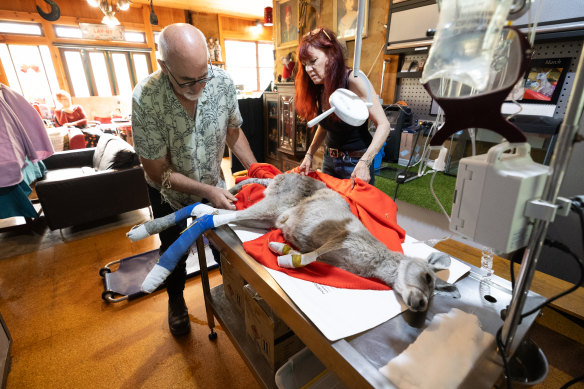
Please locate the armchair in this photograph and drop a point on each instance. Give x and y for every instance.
(76, 190)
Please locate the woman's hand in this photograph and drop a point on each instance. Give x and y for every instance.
(361, 171)
(306, 165)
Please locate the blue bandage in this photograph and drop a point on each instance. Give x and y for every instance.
(180, 246)
(184, 213)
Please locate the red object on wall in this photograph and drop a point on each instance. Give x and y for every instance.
(268, 16)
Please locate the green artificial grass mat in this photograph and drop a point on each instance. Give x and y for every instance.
(417, 191)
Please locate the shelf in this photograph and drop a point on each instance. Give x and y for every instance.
(232, 321)
(408, 75)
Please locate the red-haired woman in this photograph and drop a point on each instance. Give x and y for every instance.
(349, 150)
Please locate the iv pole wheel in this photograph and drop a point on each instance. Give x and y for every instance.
(212, 335)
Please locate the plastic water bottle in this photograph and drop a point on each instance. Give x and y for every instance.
(487, 262)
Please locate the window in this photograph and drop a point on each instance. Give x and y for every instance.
(21, 28)
(251, 72)
(104, 72)
(67, 32)
(30, 71)
(133, 36)
(75, 32)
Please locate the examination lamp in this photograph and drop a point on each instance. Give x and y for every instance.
(344, 103)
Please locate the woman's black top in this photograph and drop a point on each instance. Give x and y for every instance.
(343, 136)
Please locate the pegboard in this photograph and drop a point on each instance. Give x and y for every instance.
(561, 49)
(412, 92)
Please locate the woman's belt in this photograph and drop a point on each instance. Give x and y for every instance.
(336, 153)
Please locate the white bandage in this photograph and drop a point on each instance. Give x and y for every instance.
(138, 233)
(203, 209)
(294, 260)
(219, 220)
(154, 279)
(281, 248)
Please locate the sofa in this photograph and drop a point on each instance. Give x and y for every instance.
(85, 185)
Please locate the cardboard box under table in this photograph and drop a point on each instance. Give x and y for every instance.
(233, 284)
(272, 336)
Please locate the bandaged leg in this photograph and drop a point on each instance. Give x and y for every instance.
(160, 224)
(204, 209)
(290, 258)
(172, 255)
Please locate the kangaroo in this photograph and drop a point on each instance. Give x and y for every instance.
(318, 222)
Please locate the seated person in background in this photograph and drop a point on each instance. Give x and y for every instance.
(69, 115)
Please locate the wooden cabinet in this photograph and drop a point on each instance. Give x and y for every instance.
(271, 126)
(287, 137)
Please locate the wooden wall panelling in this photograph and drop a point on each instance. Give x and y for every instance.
(208, 23)
(389, 81)
(3, 77)
(149, 36)
(167, 16)
(55, 55)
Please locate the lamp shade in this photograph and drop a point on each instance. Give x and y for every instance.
(268, 16)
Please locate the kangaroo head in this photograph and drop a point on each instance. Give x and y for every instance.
(416, 279)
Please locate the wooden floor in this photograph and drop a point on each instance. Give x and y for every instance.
(66, 336)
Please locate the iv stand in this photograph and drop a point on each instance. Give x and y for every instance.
(569, 128)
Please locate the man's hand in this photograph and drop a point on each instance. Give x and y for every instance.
(221, 198)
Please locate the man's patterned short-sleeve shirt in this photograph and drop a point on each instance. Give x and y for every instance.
(162, 128)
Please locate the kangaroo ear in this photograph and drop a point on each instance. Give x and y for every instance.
(446, 288)
(439, 261)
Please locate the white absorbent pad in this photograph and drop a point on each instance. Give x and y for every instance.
(443, 354)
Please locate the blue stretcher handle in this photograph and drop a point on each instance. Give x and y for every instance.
(172, 255)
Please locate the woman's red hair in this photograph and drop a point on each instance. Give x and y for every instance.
(307, 92)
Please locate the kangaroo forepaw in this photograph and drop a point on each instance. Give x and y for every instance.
(204, 209)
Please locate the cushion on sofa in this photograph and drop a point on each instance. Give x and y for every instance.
(76, 138)
(68, 173)
(107, 148)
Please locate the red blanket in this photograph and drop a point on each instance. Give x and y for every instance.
(375, 209)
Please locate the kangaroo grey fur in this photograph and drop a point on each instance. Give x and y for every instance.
(313, 217)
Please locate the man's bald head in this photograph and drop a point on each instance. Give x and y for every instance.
(182, 42)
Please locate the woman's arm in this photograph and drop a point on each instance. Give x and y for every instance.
(306, 165)
(377, 115)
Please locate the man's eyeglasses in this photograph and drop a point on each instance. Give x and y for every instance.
(315, 33)
(189, 84)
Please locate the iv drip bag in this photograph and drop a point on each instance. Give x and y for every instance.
(465, 40)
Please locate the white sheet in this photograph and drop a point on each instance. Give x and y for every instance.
(358, 310)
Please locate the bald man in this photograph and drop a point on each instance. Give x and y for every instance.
(182, 117)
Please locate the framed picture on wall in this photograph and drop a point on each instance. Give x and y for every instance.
(345, 18)
(286, 23)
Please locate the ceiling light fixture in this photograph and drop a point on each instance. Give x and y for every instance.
(109, 9)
